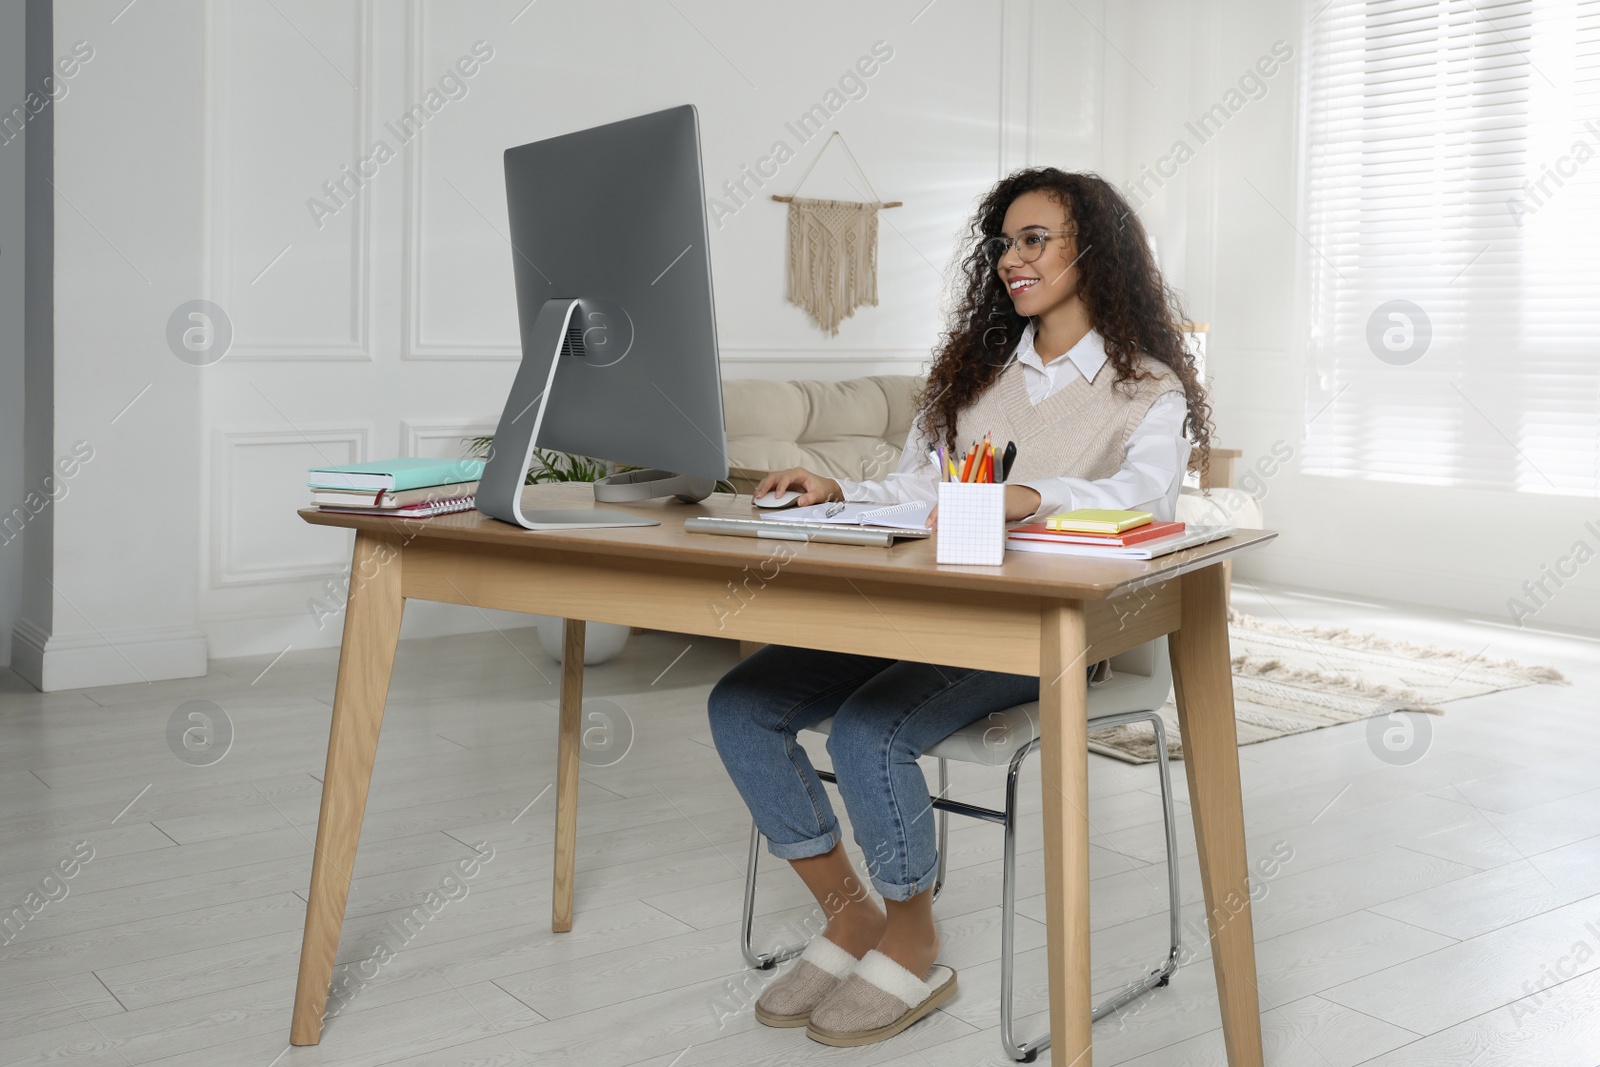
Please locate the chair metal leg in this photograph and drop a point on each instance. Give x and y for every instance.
(1028, 1051)
(1162, 974)
(765, 961)
(1174, 898)
(761, 961)
(944, 826)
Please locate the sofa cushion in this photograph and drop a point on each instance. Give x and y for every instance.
(855, 429)
(849, 429)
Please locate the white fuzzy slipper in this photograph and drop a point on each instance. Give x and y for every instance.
(788, 1001)
(877, 1000)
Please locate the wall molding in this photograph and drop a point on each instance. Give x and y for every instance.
(414, 432)
(81, 661)
(227, 572)
(822, 355)
(28, 642)
(412, 344)
(266, 633)
(356, 347)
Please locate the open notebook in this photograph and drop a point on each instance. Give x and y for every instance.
(908, 516)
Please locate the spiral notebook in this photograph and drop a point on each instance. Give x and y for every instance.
(413, 511)
(912, 515)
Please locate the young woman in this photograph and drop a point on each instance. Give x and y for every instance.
(1067, 342)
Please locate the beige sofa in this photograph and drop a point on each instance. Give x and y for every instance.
(854, 429)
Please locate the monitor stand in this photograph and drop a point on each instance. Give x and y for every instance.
(651, 483)
(501, 484)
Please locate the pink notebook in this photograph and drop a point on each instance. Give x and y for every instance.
(415, 511)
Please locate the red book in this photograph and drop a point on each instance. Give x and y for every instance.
(1038, 531)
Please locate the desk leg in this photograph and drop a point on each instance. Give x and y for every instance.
(567, 776)
(1064, 759)
(1203, 678)
(371, 630)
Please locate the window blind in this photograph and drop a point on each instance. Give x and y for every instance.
(1452, 219)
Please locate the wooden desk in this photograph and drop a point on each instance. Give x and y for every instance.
(1037, 614)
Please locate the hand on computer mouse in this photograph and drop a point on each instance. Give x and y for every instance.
(814, 488)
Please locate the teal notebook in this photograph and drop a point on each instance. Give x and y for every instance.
(396, 474)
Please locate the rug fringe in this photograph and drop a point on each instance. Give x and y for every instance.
(1278, 671)
(1348, 638)
(1349, 694)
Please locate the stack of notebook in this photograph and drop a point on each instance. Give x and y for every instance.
(400, 488)
(1117, 534)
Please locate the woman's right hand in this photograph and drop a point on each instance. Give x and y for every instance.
(814, 488)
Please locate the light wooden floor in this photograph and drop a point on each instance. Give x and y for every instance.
(1422, 909)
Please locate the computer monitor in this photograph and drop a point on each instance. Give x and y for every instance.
(619, 338)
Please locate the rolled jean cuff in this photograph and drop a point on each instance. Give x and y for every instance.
(891, 891)
(800, 850)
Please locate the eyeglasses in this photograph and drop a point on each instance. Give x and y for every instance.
(1029, 244)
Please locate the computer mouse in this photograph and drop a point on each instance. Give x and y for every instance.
(778, 500)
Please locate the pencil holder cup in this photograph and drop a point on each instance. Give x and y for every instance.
(972, 523)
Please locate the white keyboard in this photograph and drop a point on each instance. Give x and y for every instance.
(782, 530)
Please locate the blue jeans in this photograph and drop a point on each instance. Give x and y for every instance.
(886, 714)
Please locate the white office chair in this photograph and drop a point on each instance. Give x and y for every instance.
(1140, 683)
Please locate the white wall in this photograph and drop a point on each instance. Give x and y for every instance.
(190, 146)
(13, 472)
(391, 329)
(1237, 204)
(119, 603)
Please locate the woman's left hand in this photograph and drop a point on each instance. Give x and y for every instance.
(1020, 503)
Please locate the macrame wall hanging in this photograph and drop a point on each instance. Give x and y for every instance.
(833, 250)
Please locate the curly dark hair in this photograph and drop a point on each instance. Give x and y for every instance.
(1127, 300)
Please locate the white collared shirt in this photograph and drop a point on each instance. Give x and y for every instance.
(1152, 468)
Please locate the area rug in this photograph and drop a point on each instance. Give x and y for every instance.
(1290, 679)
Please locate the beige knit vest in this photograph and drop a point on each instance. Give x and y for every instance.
(1080, 432)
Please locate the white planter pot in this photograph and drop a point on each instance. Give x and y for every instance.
(601, 640)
